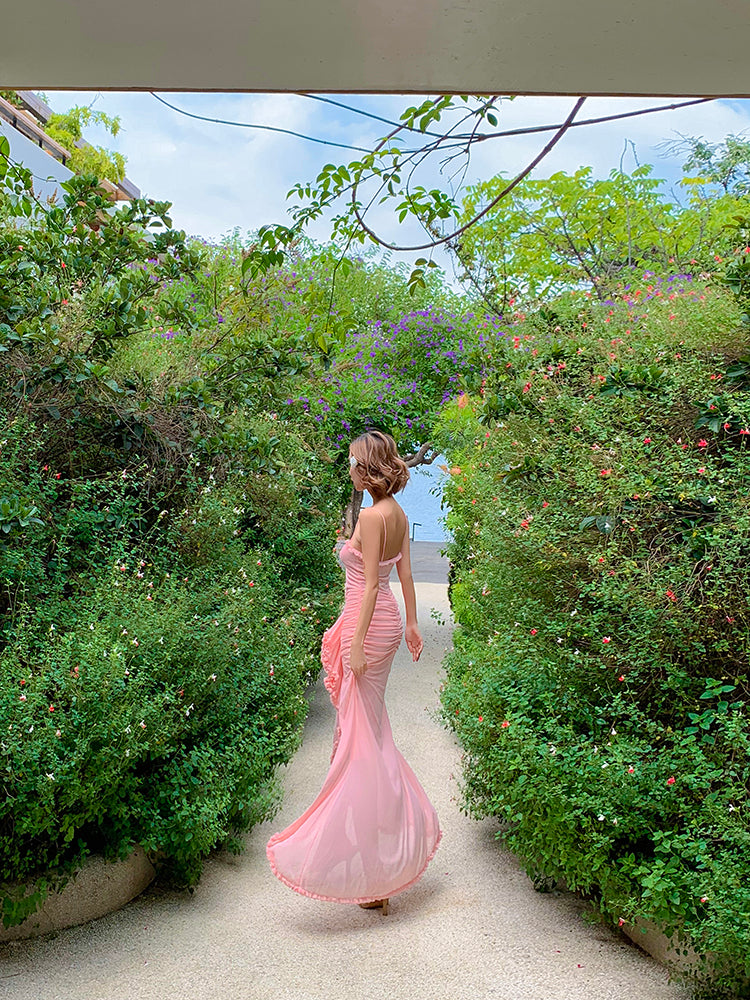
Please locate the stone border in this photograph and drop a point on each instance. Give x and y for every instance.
(649, 937)
(98, 888)
(655, 942)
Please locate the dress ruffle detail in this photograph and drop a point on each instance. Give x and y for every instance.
(383, 562)
(334, 899)
(330, 656)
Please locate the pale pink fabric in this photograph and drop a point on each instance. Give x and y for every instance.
(372, 831)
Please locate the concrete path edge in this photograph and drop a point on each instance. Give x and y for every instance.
(99, 887)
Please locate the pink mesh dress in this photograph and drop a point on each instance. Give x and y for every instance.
(372, 831)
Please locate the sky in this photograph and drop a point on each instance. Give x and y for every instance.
(221, 177)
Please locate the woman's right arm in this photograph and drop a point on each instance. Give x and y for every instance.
(403, 568)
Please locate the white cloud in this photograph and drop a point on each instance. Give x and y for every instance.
(220, 177)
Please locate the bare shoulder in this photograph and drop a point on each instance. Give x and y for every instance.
(368, 515)
(370, 520)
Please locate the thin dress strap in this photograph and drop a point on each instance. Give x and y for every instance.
(385, 535)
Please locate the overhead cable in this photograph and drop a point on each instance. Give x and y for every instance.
(264, 128)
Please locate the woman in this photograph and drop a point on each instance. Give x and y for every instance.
(372, 830)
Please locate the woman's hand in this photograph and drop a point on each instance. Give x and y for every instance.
(414, 641)
(357, 660)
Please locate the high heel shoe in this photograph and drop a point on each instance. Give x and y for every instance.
(382, 903)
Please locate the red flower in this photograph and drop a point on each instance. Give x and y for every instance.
(533, 631)
(671, 781)
(605, 472)
(606, 640)
(52, 708)
(481, 719)
(647, 440)
(544, 503)
(703, 443)
(504, 724)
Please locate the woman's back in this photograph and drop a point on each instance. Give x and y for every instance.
(395, 526)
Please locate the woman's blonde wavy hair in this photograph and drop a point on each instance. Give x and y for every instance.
(383, 470)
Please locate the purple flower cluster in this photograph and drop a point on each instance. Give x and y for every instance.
(399, 374)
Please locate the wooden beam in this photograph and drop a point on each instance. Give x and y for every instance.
(26, 125)
(125, 189)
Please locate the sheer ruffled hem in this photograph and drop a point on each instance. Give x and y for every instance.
(336, 899)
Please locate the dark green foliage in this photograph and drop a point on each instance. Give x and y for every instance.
(166, 566)
(600, 678)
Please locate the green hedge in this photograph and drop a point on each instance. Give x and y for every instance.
(166, 566)
(156, 716)
(599, 680)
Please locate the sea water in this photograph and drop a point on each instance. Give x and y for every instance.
(421, 502)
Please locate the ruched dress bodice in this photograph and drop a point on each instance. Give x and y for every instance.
(381, 642)
(353, 562)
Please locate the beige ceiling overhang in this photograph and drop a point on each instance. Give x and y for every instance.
(638, 47)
